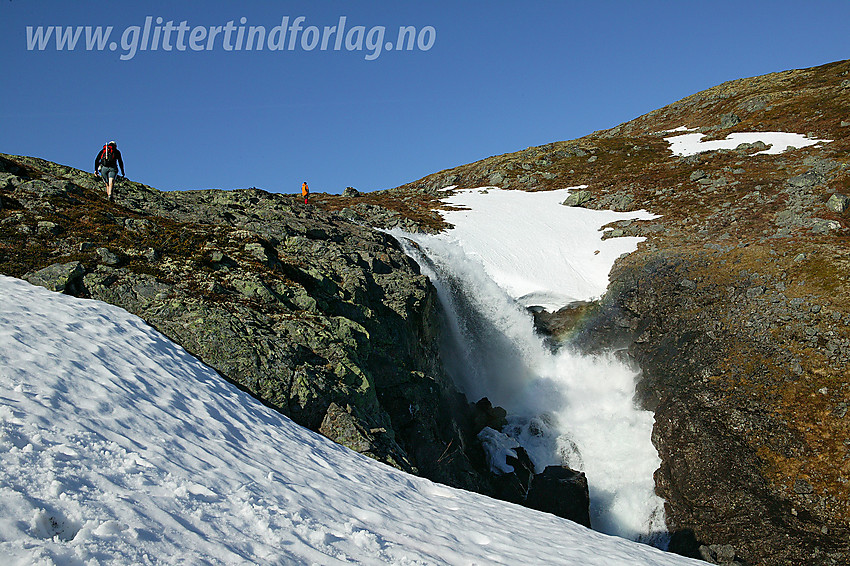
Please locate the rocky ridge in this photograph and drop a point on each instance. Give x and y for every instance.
(323, 319)
(736, 306)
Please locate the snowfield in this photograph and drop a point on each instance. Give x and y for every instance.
(118, 447)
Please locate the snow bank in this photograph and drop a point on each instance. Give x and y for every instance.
(117, 447)
(691, 144)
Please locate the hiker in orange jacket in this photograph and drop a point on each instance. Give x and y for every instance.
(305, 191)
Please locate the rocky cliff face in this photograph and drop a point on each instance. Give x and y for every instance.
(735, 307)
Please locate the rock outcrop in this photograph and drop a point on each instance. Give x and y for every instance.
(726, 391)
(561, 491)
(321, 318)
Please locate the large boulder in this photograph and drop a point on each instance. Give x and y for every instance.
(61, 277)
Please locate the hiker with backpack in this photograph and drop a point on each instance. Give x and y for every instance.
(305, 191)
(106, 164)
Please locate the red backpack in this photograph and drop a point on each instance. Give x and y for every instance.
(107, 156)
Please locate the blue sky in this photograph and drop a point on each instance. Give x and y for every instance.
(493, 77)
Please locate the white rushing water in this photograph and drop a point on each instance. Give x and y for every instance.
(564, 408)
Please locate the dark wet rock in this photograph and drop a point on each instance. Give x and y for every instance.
(513, 486)
(486, 415)
(558, 490)
(561, 491)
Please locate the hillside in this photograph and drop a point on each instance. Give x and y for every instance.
(735, 307)
(324, 319)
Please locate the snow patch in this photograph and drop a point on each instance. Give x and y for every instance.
(691, 144)
(541, 252)
(679, 129)
(498, 447)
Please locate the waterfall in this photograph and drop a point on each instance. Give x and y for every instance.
(563, 407)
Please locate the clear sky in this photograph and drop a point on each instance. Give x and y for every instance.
(482, 78)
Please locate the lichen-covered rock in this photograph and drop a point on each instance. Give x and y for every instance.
(578, 198)
(838, 203)
(343, 428)
(61, 277)
(729, 120)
